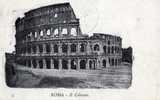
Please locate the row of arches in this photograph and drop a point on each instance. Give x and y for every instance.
(111, 49)
(65, 64)
(51, 32)
(115, 61)
(67, 48)
(47, 48)
(74, 64)
(64, 48)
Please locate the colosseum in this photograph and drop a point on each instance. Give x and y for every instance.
(50, 37)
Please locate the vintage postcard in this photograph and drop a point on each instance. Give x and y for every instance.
(95, 49)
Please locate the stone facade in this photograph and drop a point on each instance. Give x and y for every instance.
(50, 38)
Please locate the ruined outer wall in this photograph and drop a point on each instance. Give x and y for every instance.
(50, 37)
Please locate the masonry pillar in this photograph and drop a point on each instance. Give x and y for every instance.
(114, 50)
(51, 31)
(78, 48)
(37, 48)
(77, 31)
(69, 48)
(44, 48)
(37, 34)
(32, 36)
(31, 63)
(52, 65)
(88, 48)
(45, 32)
(87, 64)
(98, 64)
(69, 30)
(52, 48)
(26, 38)
(60, 31)
(31, 50)
(95, 63)
(37, 61)
(44, 63)
(114, 62)
(60, 48)
(69, 64)
(107, 62)
(60, 64)
(78, 64)
(53, 34)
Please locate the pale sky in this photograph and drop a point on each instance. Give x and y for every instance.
(136, 21)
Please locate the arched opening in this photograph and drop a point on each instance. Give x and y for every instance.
(109, 43)
(73, 31)
(34, 63)
(112, 50)
(41, 33)
(109, 50)
(104, 49)
(73, 64)
(48, 32)
(35, 34)
(112, 62)
(82, 64)
(116, 62)
(82, 47)
(90, 64)
(109, 61)
(96, 47)
(64, 31)
(73, 48)
(56, 64)
(104, 63)
(48, 63)
(40, 64)
(48, 48)
(29, 37)
(64, 48)
(40, 48)
(55, 48)
(94, 64)
(34, 49)
(118, 50)
(29, 49)
(64, 64)
(29, 63)
(56, 32)
(55, 15)
(119, 61)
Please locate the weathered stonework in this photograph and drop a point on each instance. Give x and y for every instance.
(50, 38)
